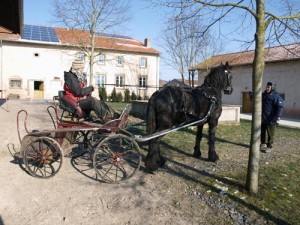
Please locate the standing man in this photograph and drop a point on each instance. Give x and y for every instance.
(272, 109)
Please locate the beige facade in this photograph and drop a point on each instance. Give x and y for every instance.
(285, 75)
(34, 70)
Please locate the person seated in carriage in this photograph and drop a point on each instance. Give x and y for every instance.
(77, 91)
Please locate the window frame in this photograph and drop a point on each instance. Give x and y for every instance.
(143, 62)
(102, 80)
(100, 61)
(143, 82)
(120, 60)
(80, 56)
(15, 79)
(120, 81)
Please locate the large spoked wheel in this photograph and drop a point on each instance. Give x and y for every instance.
(42, 157)
(116, 158)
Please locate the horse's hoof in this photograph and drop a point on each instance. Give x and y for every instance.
(162, 162)
(150, 167)
(213, 159)
(197, 155)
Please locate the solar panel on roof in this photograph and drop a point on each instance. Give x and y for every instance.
(39, 33)
(113, 35)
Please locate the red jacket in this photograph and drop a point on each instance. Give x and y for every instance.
(74, 88)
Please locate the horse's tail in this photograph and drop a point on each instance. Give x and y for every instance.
(151, 114)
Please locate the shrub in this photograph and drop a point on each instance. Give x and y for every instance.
(127, 95)
(133, 96)
(114, 97)
(102, 93)
(119, 97)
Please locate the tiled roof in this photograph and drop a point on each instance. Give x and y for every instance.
(8, 34)
(79, 37)
(274, 54)
(76, 37)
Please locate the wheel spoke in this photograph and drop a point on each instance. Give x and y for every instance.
(116, 158)
(43, 157)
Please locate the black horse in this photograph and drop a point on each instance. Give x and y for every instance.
(172, 106)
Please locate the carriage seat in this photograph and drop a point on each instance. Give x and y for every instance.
(69, 105)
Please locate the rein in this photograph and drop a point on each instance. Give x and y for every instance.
(192, 122)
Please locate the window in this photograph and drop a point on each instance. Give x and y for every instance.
(80, 56)
(100, 80)
(101, 59)
(143, 62)
(15, 83)
(119, 81)
(142, 82)
(120, 60)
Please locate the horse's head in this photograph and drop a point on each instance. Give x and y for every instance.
(227, 85)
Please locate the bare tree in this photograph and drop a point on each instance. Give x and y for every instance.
(274, 21)
(92, 16)
(185, 44)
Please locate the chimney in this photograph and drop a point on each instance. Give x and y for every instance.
(147, 43)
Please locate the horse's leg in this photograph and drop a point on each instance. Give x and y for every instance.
(212, 155)
(197, 152)
(153, 159)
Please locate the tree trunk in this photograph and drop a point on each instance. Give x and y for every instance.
(257, 77)
(92, 59)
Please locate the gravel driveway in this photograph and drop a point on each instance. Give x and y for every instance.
(72, 197)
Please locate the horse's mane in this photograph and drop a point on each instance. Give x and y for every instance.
(215, 78)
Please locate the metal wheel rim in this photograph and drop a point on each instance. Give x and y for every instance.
(116, 158)
(42, 157)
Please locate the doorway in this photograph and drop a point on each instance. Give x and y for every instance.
(247, 102)
(38, 89)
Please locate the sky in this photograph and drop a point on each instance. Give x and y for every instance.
(145, 23)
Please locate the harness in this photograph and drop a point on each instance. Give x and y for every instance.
(192, 91)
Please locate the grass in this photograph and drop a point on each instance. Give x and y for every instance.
(278, 198)
(119, 106)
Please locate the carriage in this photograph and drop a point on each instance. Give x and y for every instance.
(114, 154)
(113, 150)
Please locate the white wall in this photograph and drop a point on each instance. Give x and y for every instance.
(19, 60)
(285, 75)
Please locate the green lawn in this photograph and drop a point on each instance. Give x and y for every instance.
(278, 198)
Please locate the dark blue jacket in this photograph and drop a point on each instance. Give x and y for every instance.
(272, 107)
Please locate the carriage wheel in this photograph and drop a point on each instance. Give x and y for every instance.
(116, 158)
(42, 157)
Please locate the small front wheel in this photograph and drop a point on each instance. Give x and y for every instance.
(42, 157)
(116, 158)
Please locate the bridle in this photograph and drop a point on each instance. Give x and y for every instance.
(228, 88)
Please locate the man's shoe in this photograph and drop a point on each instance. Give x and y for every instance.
(263, 147)
(268, 150)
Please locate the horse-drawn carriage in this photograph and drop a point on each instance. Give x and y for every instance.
(115, 155)
(114, 151)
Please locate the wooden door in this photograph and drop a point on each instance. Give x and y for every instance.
(38, 90)
(247, 102)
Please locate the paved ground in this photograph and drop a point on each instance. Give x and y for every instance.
(285, 121)
(37, 119)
